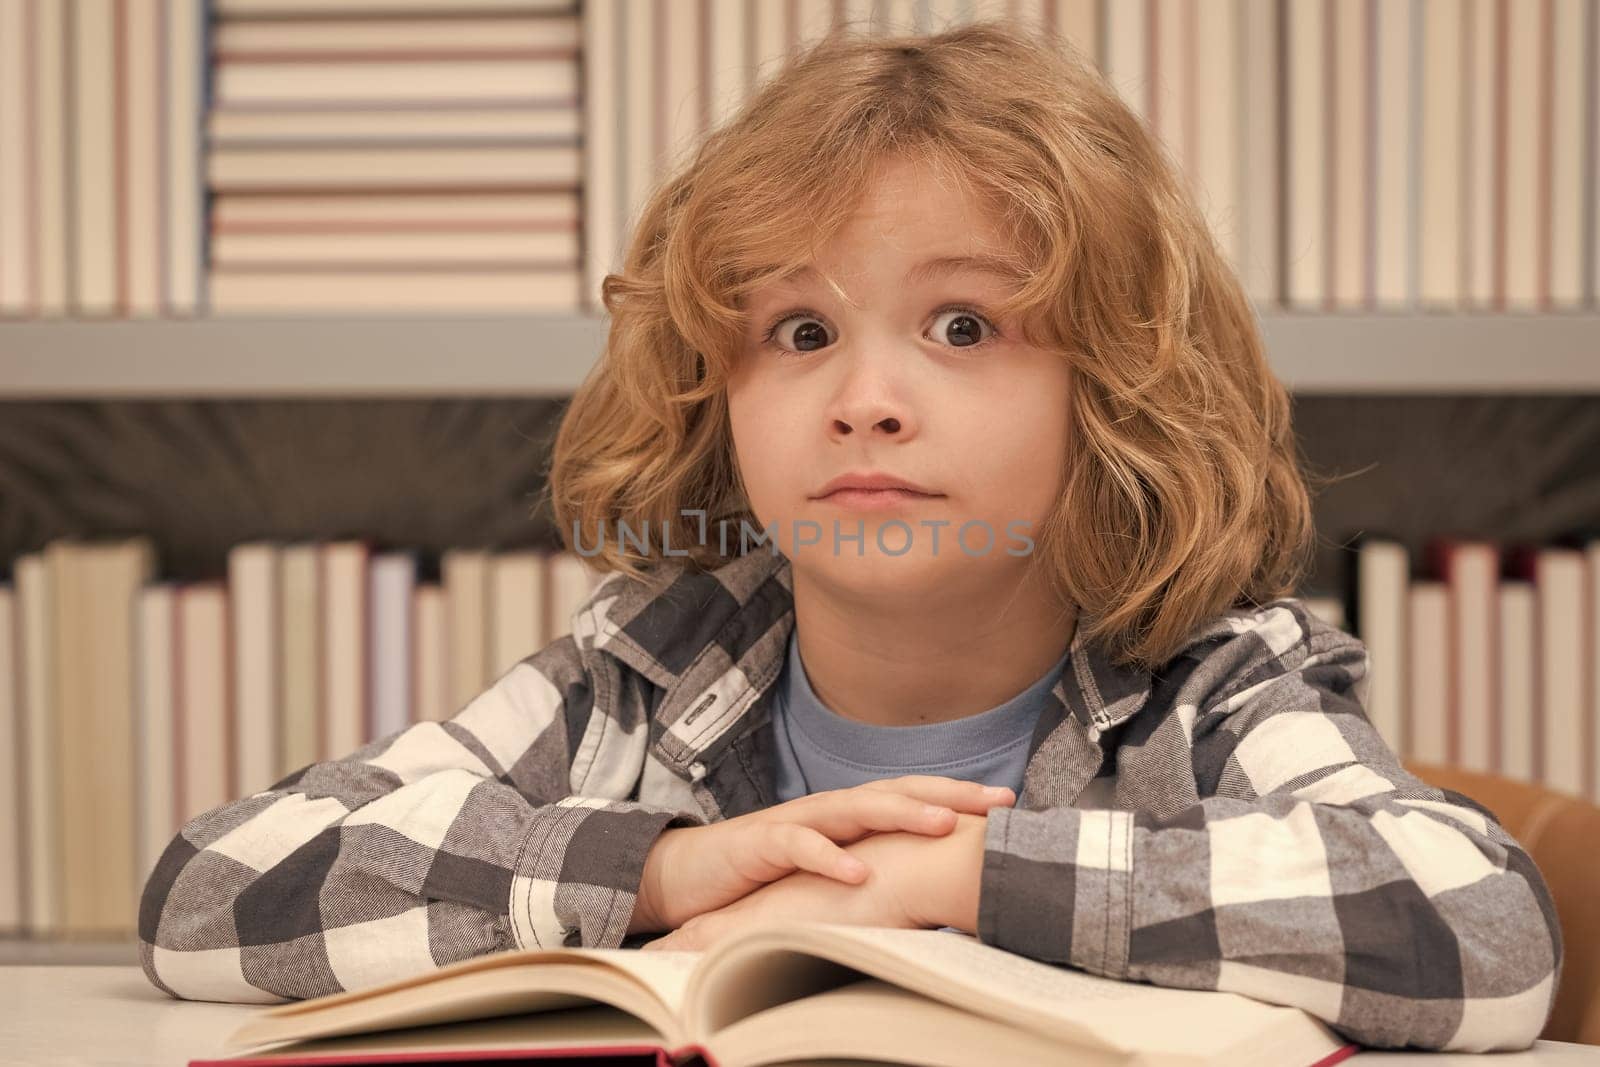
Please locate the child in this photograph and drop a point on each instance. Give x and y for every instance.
(960, 262)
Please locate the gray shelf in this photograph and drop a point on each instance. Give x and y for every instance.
(392, 355)
(549, 354)
(1435, 352)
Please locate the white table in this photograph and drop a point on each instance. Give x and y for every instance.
(60, 1014)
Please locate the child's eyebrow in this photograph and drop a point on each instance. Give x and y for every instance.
(981, 263)
(940, 266)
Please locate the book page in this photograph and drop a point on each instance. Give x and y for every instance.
(872, 1020)
(648, 985)
(578, 1027)
(664, 972)
(1085, 1009)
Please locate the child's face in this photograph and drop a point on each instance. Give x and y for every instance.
(898, 384)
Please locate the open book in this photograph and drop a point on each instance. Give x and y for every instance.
(781, 993)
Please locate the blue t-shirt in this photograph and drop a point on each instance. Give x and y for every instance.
(819, 749)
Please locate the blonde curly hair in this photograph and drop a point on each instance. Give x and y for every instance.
(1184, 491)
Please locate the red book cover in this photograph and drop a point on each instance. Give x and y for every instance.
(593, 1056)
(1521, 561)
(590, 1056)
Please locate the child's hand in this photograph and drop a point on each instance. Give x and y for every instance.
(916, 883)
(691, 870)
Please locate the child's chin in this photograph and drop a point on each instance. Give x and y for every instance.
(919, 570)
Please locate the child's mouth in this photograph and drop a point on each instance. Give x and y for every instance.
(875, 499)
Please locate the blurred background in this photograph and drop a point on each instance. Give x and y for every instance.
(292, 295)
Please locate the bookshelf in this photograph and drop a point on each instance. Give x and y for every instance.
(429, 427)
(547, 354)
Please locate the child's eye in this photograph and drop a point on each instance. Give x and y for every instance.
(965, 325)
(810, 332)
(965, 330)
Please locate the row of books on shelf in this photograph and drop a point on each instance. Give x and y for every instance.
(1484, 654)
(339, 157)
(1389, 156)
(412, 155)
(130, 704)
(394, 157)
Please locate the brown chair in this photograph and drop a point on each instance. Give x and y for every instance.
(1562, 834)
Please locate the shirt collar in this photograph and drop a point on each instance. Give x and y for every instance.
(715, 640)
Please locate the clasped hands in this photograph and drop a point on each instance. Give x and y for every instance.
(901, 852)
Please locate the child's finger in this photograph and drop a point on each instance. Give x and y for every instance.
(975, 798)
(850, 814)
(784, 847)
(674, 941)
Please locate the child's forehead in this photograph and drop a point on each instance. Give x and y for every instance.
(906, 205)
(908, 219)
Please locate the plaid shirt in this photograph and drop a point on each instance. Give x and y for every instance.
(1263, 839)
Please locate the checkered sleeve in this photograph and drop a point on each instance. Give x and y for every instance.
(1308, 869)
(438, 842)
